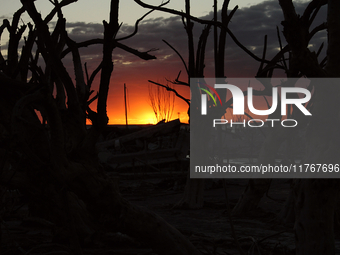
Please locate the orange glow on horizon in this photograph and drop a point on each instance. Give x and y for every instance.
(139, 110)
(147, 118)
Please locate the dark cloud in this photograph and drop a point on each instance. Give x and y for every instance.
(249, 25)
(2, 17)
(82, 28)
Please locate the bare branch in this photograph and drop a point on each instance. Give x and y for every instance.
(78, 70)
(173, 90)
(319, 28)
(59, 68)
(92, 99)
(333, 23)
(319, 50)
(273, 63)
(200, 53)
(280, 43)
(137, 22)
(25, 55)
(223, 34)
(13, 44)
(178, 82)
(188, 28)
(312, 6)
(263, 55)
(93, 75)
(297, 37)
(86, 73)
(142, 55)
(162, 102)
(216, 52)
(110, 32)
(5, 24)
(57, 7)
(16, 18)
(207, 22)
(57, 136)
(178, 54)
(323, 62)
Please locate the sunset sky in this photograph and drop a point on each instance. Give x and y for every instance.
(251, 22)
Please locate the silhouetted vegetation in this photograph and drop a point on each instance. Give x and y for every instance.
(52, 180)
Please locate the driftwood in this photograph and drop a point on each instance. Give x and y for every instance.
(143, 155)
(160, 129)
(178, 153)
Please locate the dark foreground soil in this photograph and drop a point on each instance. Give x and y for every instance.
(209, 229)
(257, 232)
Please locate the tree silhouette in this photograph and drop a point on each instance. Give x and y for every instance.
(162, 102)
(49, 155)
(258, 187)
(315, 199)
(194, 67)
(46, 150)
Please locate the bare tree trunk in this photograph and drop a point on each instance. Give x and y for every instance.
(315, 205)
(256, 188)
(315, 199)
(193, 197)
(68, 186)
(287, 213)
(194, 189)
(111, 211)
(110, 31)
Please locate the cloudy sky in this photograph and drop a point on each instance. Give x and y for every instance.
(251, 22)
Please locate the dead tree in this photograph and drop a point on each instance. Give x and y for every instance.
(194, 189)
(315, 199)
(46, 150)
(162, 102)
(257, 188)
